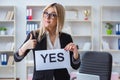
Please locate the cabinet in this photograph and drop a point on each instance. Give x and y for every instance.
(76, 24)
(110, 43)
(7, 42)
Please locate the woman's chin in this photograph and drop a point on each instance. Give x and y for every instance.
(46, 26)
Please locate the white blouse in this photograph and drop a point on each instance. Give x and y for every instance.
(56, 44)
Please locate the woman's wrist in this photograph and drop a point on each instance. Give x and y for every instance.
(22, 51)
(75, 56)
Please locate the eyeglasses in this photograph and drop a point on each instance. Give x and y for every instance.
(49, 15)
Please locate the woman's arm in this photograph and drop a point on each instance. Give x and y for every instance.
(29, 43)
(74, 54)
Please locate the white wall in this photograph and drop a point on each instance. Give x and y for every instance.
(21, 20)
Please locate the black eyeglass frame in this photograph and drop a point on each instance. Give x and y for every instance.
(49, 15)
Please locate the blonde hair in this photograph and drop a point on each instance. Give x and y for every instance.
(60, 11)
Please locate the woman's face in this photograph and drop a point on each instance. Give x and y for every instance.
(50, 19)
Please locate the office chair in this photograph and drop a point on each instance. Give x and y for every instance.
(97, 63)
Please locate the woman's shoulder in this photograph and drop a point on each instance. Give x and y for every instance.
(63, 33)
(66, 35)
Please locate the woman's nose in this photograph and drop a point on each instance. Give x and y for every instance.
(48, 16)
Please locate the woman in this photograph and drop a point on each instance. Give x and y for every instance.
(49, 36)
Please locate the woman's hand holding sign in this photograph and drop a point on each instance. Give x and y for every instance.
(72, 47)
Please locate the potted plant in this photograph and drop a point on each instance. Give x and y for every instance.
(3, 30)
(109, 27)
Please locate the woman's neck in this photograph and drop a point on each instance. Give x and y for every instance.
(52, 32)
(52, 35)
